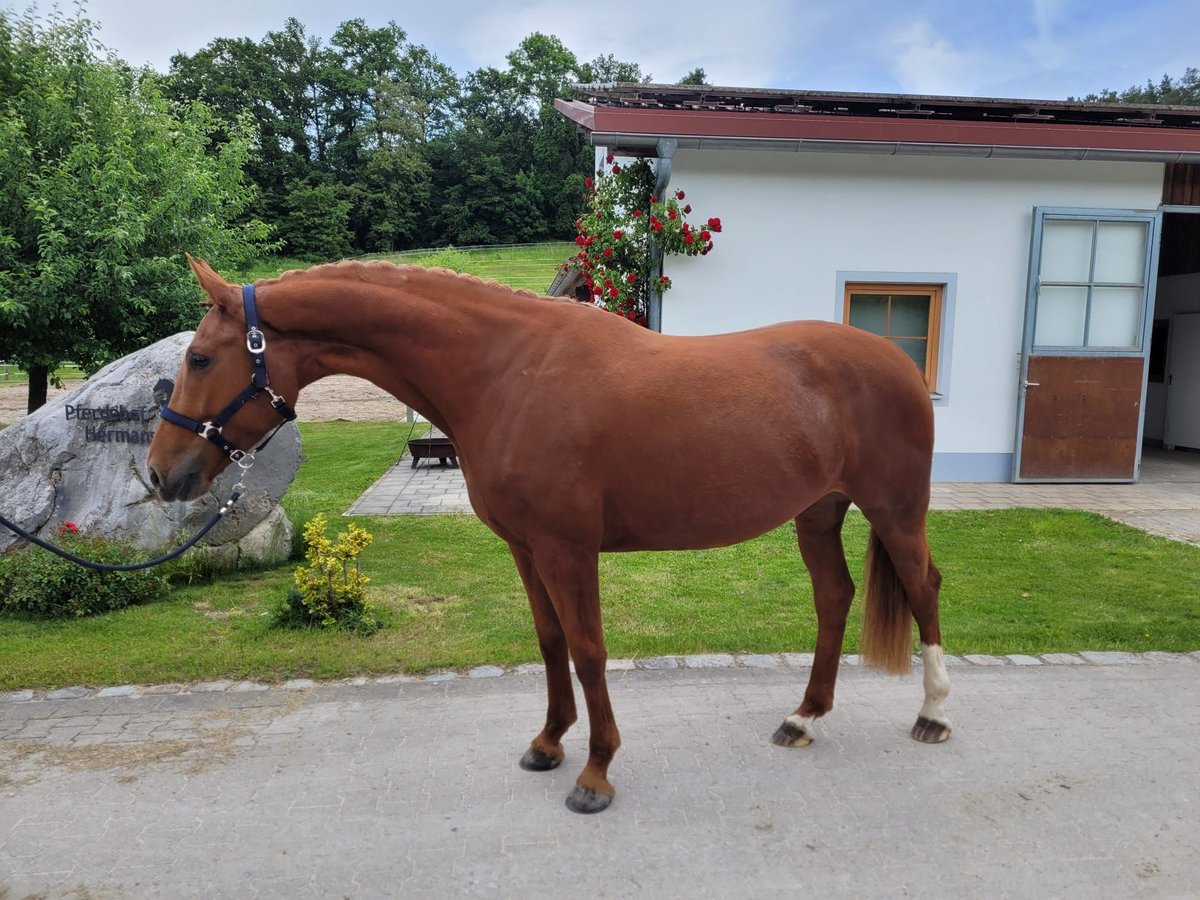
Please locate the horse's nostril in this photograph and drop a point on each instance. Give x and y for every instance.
(154, 480)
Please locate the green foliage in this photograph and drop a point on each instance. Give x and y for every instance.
(37, 584)
(316, 223)
(106, 184)
(1182, 92)
(422, 158)
(330, 591)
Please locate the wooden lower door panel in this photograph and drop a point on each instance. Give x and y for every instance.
(1081, 417)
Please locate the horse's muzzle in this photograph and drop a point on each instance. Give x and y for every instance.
(182, 483)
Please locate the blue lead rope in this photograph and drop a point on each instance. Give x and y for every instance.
(126, 567)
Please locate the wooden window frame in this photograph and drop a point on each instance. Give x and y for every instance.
(935, 292)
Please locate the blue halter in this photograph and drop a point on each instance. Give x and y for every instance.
(260, 382)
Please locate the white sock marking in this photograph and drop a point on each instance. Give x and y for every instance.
(937, 684)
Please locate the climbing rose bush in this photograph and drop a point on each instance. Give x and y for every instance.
(622, 222)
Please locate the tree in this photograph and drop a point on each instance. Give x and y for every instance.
(106, 185)
(353, 116)
(608, 69)
(696, 77)
(1184, 92)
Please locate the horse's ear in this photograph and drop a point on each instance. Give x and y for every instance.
(220, 292)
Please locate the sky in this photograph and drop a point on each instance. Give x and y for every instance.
(1039, 49)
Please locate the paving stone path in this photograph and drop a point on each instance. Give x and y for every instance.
(1066, 776)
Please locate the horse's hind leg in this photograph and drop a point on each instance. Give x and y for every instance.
(546, 752)
(906, 551)
(819, 533)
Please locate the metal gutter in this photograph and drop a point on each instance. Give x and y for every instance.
(643, 143)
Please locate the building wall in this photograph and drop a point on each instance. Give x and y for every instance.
(795, 222)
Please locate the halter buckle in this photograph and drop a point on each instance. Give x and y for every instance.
(209, 430)
(237, 456)
(256, 341)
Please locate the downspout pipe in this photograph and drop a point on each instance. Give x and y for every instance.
(665, 152)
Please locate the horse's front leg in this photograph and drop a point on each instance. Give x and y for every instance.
(545, 751)
(571, 577)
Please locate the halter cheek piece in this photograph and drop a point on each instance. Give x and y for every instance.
(211, 430)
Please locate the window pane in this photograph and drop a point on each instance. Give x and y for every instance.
(869, 312)
(1066, 250)
(1121, 252)
(1061, 312)
(915, 350)
(1116, 317)
(910, 316)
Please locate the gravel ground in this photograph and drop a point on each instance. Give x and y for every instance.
(336, 397)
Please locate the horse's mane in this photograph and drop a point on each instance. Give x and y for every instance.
(381, 271)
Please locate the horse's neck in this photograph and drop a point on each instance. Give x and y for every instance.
(432, 341)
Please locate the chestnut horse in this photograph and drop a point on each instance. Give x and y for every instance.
(548, 401)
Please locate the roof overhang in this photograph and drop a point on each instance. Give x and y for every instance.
(972, 130)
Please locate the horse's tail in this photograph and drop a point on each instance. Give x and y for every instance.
(886, 641)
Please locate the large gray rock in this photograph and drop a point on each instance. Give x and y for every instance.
(82, 459)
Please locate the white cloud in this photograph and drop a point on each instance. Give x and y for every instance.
(924, 63)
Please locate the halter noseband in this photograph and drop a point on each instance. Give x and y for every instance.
(260, 382)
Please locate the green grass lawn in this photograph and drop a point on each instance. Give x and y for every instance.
(1016, 581)
(529, 266)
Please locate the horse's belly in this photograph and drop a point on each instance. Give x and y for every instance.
(703, 519)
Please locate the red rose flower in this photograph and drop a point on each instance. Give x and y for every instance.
(671, 214)
(618, 234)
(704, 235)
(612, 292)
(688, 208)
(653, 198)
(637, 213)
(688, 239)
(679, 195)
(715, 224)
(588, 181)
(609, 158)
(631, 277)
(616, 170)
(608, 252)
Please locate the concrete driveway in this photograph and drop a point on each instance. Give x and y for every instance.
(1067, 776)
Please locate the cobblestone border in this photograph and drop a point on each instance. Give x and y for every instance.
(700, 661)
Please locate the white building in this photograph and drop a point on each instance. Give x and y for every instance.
(1011, 247)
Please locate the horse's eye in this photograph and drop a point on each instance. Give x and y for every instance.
(199, 363)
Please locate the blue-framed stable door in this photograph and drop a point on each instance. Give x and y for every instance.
(1086, 344)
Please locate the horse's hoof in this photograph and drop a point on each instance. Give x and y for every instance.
(535, 760)
(790, 734)
(585, 800)
(928, 731)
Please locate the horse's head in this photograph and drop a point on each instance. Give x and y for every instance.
(216, 368)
